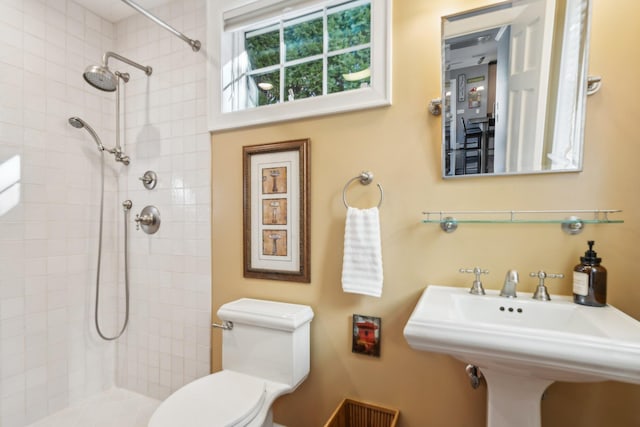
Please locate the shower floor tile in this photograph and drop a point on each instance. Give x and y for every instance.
(112, 408)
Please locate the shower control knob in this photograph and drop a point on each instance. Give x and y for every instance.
(148, 219)
(149, 180)
(144, 220)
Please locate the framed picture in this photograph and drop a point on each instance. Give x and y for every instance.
(475, 98)
(367, 331)
(462, 87)
(276, 209)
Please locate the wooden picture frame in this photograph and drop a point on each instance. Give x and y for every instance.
(276, 211)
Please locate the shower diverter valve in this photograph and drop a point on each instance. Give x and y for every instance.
(148, 219)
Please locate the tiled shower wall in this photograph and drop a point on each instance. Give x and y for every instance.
(50, 355)
(168, 343)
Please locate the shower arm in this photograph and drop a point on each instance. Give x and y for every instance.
(195, 44)
(107, 55)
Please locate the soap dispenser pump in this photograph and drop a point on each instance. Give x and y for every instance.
(590, 280)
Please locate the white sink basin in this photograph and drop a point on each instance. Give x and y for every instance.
(521, 340)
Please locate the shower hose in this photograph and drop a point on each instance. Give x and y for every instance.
(126, 267)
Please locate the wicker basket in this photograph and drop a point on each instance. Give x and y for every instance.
(352, 413)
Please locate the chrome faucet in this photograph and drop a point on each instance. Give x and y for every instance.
(510, 283)
(541, 293)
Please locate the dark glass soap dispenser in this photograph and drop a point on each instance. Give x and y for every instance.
(590, 280)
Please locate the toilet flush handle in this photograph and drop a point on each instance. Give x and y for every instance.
(226, 325)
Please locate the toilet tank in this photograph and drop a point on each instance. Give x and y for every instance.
(269, 339)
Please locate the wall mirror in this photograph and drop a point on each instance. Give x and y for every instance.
(514, 79)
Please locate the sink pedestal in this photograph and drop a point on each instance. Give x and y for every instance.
(512, 399)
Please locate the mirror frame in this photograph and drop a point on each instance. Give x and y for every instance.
(566, 97)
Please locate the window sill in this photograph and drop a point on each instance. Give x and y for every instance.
(304, 108)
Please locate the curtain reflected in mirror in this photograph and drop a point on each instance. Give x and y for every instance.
(514, 88)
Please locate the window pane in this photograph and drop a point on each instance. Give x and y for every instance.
(263, 49)
(267, 86)
(349, 71)
(303, 40)
(351, 27)
(303, 80)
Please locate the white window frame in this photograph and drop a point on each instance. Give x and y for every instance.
(247, 13)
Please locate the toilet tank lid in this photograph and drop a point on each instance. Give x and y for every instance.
(268, 314)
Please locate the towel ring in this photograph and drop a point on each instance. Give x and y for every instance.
(365, 178)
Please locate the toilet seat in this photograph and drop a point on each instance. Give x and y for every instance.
(223, 399)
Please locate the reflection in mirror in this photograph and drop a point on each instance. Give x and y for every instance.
(514, 87)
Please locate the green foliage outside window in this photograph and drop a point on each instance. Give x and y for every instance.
(269, 83)
(263, 50)
(346, 29)
(351, 27)
(347, 63)
(303, 40)
(303, 80)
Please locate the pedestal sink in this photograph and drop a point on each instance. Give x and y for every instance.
(522, 345)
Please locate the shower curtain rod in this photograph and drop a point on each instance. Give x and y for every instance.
(195, 44)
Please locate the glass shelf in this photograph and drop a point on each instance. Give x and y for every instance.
(572, 224)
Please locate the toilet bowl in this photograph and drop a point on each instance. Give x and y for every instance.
(264, 355)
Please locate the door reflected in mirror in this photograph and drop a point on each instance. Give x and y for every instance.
(514, 88)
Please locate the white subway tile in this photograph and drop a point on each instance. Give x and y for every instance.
(60, 39)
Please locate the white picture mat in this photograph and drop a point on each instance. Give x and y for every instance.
(259, 162)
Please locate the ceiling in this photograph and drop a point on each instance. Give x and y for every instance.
(115, 10)
(472, 49)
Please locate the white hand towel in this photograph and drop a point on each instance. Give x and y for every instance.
(362, 262)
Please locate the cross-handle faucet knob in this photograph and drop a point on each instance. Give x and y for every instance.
(148, 220)
(144, 220)
(541, 293)
(476, 288)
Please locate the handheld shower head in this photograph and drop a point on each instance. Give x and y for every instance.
(78, 123)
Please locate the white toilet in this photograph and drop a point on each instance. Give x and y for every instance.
(264, 355)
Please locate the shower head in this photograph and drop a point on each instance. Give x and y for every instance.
(78, 123)
(100, 77)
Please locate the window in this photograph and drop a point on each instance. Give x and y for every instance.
(281, 60)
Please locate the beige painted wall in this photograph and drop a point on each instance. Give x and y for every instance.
(401, 145)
